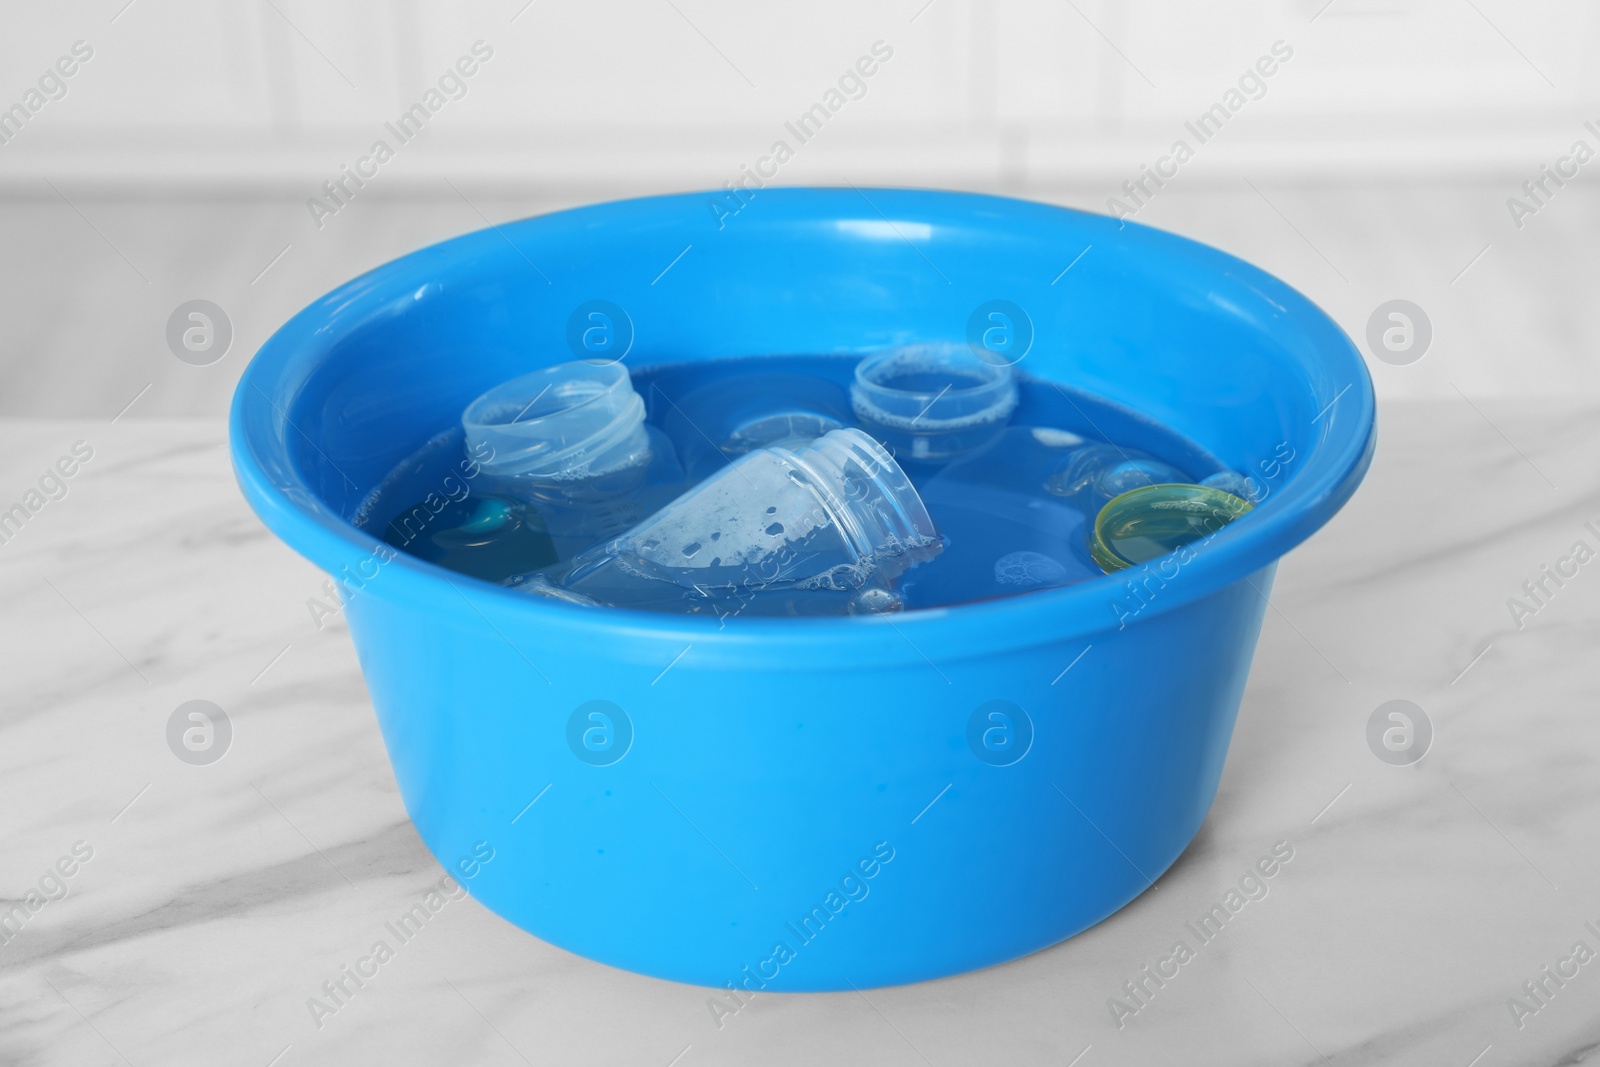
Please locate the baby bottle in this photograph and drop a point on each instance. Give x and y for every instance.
(781, 530)
(571, 440)
(932, 403)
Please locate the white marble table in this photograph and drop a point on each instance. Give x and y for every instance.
(219, 898)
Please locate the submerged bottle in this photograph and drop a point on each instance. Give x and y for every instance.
(1096, 472)
(781, 530)
(571, 441)
(932, 403)
(765, 404)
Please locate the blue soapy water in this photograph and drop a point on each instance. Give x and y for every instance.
(1010, 509)
(714, 418)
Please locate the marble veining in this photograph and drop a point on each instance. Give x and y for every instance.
(218, 899)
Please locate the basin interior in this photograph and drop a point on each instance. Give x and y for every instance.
(1216, 350)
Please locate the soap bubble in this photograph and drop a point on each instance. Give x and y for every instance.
(1028, 569)
(875, 600)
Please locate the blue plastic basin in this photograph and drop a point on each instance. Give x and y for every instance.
(807, 804)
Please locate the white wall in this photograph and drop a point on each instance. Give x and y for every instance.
(1376, 162)
(237, 92)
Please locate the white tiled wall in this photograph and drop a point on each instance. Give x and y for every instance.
(1050, 88)
(1374, 163)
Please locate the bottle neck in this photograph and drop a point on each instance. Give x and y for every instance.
(568, 422)
(864, 491)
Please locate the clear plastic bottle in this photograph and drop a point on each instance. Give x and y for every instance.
(933, 403)
(571, 440)
(779, 531)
